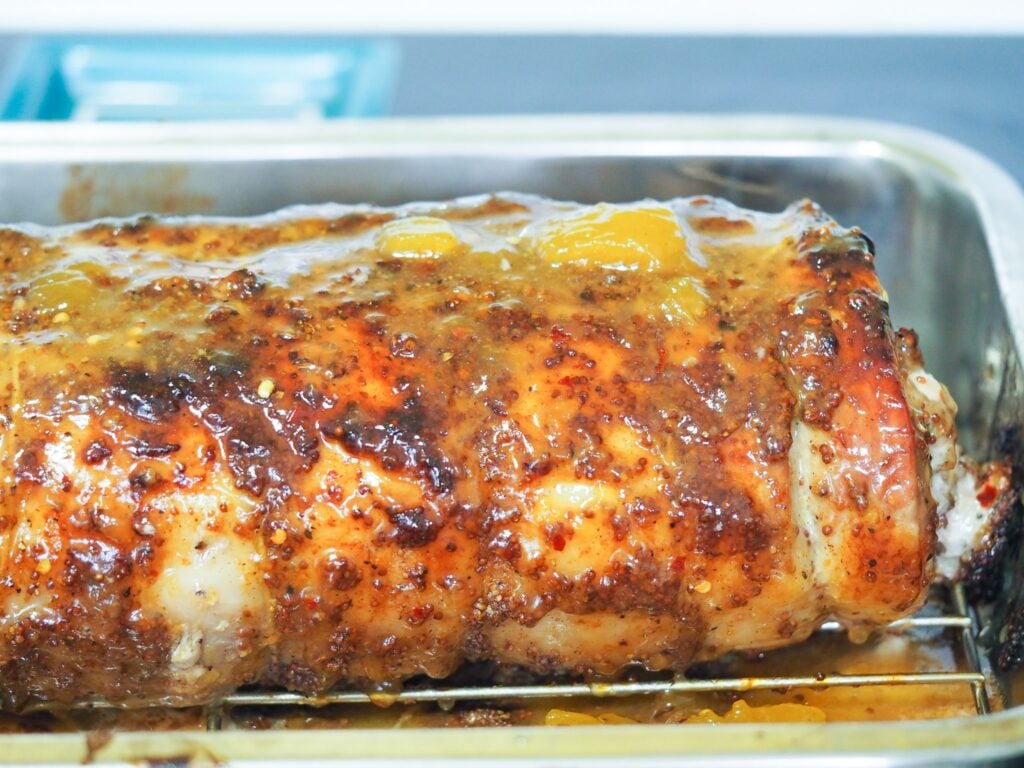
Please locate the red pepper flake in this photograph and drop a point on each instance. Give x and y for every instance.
(662, 357)
(559, 335)
(678, 564)
(558, 542)
(420, 613)
(987, 495)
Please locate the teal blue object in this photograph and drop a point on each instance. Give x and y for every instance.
(198, 79)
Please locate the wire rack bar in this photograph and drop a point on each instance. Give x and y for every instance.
(961, 618)
(913, 622)
(523, 692)
(968, 640)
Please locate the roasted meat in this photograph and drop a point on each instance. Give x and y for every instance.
(342, 445)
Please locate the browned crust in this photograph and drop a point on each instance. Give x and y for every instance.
(983, 572)
(685, 427)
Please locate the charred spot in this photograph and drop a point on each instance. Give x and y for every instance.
(404, 345)
(643, 510)
(982, 575)
(303, 442)
(775, 440)
(448, 306)
(147, 396)
(818, 408)
(258, 457)
(808, 337)
(493, 516)
(313, 398)
(144, 479)
(89, 563)
(872, 335)
(250, 460)
(506, 546)
(299, 315)
(220, 314)
(143, 555)
(417, 576)
(1011, 650)
(539, 467)
(512, 323)
(592, 463)
(174, 287)
(394, 266)
(294, 676)
(726, 520)
(341, 573)
(96, 452)
(638, 582)
(711, 403)
(496, 406)
(809, 349)
(27, 466)
(398, 440)
(837, 262)
(142, 448)
(241, 284)
(827, 344)
(412, 527)
(222, 365)
(263, 448)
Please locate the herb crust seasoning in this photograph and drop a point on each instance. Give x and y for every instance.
(353, 445)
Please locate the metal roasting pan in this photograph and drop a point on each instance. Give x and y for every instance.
(947, 227)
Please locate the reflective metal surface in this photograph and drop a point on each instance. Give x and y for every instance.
(946, 227)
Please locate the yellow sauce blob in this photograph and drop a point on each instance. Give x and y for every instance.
(65, 290)
(567, 717)
(685, 300)
(417, 237)
(631, 238)
(741, 712)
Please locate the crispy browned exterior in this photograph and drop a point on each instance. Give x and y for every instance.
(274, 451)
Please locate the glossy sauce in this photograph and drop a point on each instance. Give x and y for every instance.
(358, 445)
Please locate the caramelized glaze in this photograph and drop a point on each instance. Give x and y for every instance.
(355, 445)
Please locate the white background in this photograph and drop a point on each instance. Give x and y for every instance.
(523, 16)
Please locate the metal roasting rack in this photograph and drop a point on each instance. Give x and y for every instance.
(955, 615)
